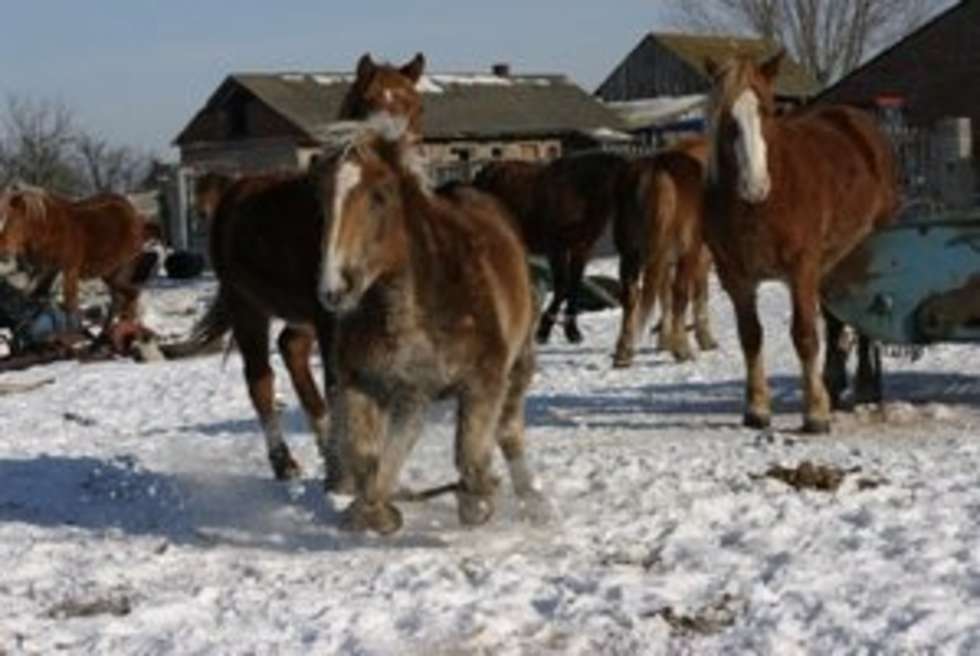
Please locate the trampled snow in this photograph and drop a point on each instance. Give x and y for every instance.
(138, 515)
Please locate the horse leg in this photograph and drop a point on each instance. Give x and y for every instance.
(478, 418)
(868, 382)
(804, 291)
(558, 262)
(361, 423)
(680, 345)
(664, 288)
(124, 295)
(758, 413)
(510, 431)
(835, 360)
(43, 283)
(251, 331)
(407, 421)
(69, 290)
(296, 347)
(576, 270)
(629, 297)
(702, 317)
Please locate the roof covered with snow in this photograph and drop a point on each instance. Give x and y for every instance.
(456, 105)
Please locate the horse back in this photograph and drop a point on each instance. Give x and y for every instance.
(515, 183)
(106, 233)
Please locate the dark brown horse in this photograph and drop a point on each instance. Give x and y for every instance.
(515, 183)
(666, 190)
(433, 300)
(98, 237)
(787, 198)
(264, 241)
(577, 198)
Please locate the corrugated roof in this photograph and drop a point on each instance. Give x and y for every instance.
(456, 106)
(793, 80)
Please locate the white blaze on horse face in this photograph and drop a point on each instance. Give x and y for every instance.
(332, 283)
(750, 149)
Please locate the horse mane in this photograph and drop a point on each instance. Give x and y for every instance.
(35, 200)
(732, 76)
(390, 132)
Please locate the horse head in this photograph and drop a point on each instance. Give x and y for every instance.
(208, 190)
(362, 185)
(741, 104)
(20, 209)
(386, 89)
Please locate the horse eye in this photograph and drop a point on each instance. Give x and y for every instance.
(378, 198)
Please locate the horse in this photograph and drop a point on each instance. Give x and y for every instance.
(433, 300)
(208, 190)
(264, 243)
(514, 182)
(666, 190)
(788, 197)
(577, 197)
(97, 237)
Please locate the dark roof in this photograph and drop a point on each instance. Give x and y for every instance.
(456, 106)
(793, 80)
(935, 70)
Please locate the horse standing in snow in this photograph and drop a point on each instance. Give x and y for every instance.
(433, 300)
(264, 242)
(97, 237)
(787, 198)
(666, 191)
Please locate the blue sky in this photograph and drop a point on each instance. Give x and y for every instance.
(134, 71)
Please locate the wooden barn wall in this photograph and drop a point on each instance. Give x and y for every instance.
(649, 71)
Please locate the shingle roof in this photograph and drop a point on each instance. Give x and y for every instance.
(793, 80)
(456, 106)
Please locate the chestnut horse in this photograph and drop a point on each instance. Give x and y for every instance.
(97, 237)
(264, 242)
(433, 300)
(787, 198)
(667, 190)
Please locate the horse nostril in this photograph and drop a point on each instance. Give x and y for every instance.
(347, 277)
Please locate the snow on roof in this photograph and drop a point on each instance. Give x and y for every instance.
(650, 111)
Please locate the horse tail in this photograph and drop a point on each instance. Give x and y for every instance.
(206, 334)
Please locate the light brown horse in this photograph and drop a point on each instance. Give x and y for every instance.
(264, 242)
(787, 198)
(433, 300)
(98, 237)
(667, 191)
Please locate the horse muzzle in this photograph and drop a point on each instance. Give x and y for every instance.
(340, 293)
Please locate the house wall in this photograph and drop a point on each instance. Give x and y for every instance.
(244, 156)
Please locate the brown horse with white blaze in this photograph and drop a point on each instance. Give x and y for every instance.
(264, 240)
(787, 198)
(97, 237)
(433, 300)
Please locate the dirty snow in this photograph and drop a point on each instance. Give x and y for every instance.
(138, 515)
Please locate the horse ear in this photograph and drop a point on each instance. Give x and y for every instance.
(770, 68)
(365, 66)
(413, 70)
(711, 67)
(16, 201)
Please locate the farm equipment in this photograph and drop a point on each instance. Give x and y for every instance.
(913, 283)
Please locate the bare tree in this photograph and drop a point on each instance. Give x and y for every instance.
(829, 38)
(37, 144)
(106, 167)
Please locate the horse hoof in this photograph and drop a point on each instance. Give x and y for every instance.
(382, 518)
(756, 421)
(683, 355)
(474, 509)
(284, 466)
(814, 426)
(543, 335)
(573, 334)
(708, 344)
(622, 360)
(867, 396)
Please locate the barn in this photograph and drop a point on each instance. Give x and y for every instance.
(926, 87)
(272, 121)
(660, 87)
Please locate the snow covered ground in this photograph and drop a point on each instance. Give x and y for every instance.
(138, 515)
